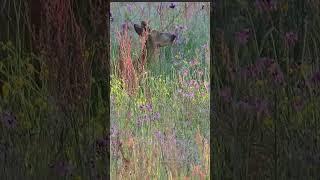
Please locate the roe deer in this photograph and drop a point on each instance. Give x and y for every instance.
(151, 41)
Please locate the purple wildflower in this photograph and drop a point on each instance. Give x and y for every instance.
(180, 28)
(102, 145)
(225, 94)
(266, 5)
(242, 36)
(114, 142)
(204, 46)
(291, 39)
(139, 122)
(160, 136)
(277, 74)
(188, 94)
(145, 118)
(142, 119)
(172, 138)
(260, 67)
(251, 71)
(129, 8)
(124, 27)
(185, 72)
(261, 107)
(149, 107)
(114, 131)
(315, 78)
(155, 116)
(101, 142)
(207, 85)
(194, 62)
(265, 62)
(8, 119)
(278, 77)
(194, 83)
(146, 107)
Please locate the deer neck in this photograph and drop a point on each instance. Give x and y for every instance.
(153, 52)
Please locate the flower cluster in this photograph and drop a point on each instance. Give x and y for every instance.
(8, 119)
(242, 36)
(264, 67)
(148, 118)
(266, 5)
(315, 78)
(291, 39)
(149, 115)
(146, 107)
(102, 144)
(225, 94)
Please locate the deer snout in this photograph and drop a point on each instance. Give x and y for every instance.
(173, 37)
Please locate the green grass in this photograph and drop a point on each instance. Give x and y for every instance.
(44, 140)
(261, 129)
(283, 143)
(184, 120)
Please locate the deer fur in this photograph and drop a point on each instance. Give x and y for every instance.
(151, 41)
(154, 41)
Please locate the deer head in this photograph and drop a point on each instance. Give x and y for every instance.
(151, 40)
(154, 40)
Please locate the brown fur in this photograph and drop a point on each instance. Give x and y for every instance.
(151, 41)
(154, 41)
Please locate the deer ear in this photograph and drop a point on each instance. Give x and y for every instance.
(138, 29)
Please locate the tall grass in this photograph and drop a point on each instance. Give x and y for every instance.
(266, 77)
(162, 132)
(53, 104)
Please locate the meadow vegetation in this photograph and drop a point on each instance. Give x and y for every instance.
(162, 130)
(55, 99)
(265, 86)
(54, 104)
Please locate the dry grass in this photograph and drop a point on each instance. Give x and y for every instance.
(127, 71)
(131, 71)
(61, 41)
